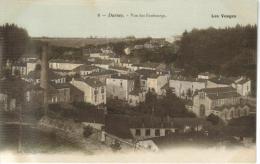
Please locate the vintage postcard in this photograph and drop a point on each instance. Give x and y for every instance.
(128, 81)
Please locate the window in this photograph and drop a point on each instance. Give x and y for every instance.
(157, 132)
(147, 132)
(103, 97)
(137, 132)
(95, 91)
(202, 110)
(95, 98)
(102, 90)
(121, 84)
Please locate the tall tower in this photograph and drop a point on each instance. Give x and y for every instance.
(44, 71)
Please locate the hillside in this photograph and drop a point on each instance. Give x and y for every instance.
(228, 51)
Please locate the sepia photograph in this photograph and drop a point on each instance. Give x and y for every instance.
(128, 81)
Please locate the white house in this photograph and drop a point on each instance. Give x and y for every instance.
(35, 76)
(119, 86)
(61, 64)
(31, 65)
(185, 87)
(243, 86)
(127, 51)
(206, 75)
(102, 63)
(84, 70)
(156, 82)
(94, 90)
(135, 97)
(20, 68)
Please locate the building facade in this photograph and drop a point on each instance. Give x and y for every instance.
(186, 87)
(60, 64)
(94, 90)
(119, 86)
(212, 100)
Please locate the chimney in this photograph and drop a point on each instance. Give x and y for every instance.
(44, 71)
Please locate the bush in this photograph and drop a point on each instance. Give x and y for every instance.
(88, 130)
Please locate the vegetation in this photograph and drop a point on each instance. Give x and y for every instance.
(164, 55)
(169, 105)
(15, 41)
(77, 111)
(228, 51)
(66, 53)
(88, 130)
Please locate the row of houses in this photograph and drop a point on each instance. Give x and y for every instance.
(106, 75)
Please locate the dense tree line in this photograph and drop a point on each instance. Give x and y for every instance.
(168, 105)
(229, 51)
(163, 55)
(14, 41)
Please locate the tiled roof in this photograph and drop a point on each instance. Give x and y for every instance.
(191, 79)
(85, 68)
(148, 64)
(125, 77)
(145, 72)
(242, 81)
(91, 82)
(104, 72)
(220, 92)
(103, 61)
(20, 64)
(222, 80)
(36, 74)
(119, 68)
(60, 85)
(218, 89)
(94, 82)
(223, 95)
(156, 122)
(65, 61)
(32, 60)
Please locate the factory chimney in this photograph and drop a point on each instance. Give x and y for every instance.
(44, 71)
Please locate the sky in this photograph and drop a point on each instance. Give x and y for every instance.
(78, 18)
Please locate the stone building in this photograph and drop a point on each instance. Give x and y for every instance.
(94, 90)
(119, 86)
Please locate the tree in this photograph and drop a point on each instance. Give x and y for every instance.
(15, 41)
(189, 93)
(88, 130)
(213, 119)
(137, 85)
(150, 101)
